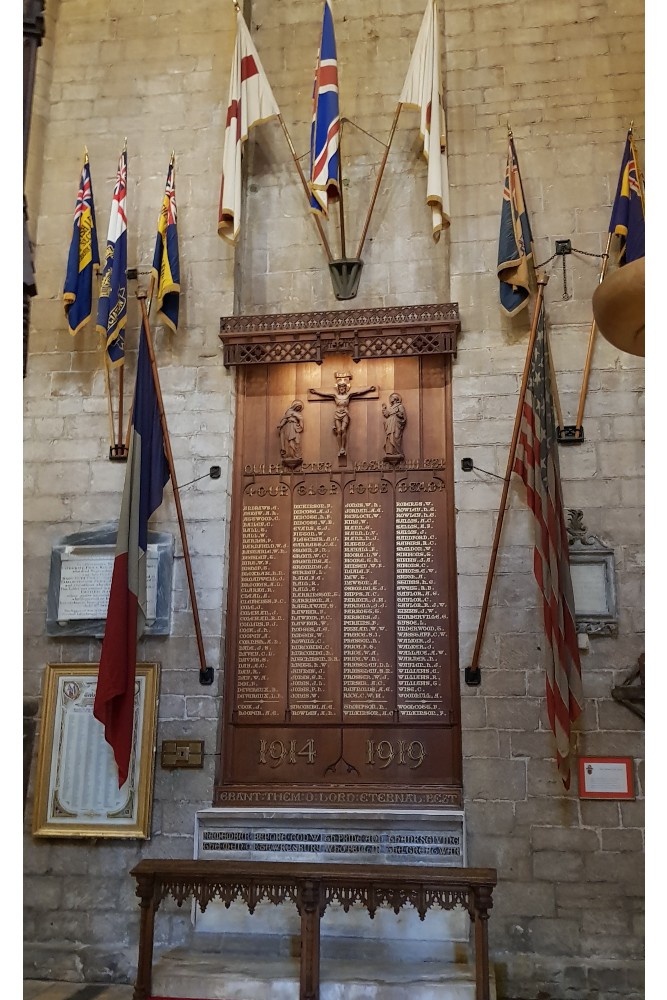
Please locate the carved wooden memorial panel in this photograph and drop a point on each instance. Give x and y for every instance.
(341, 668)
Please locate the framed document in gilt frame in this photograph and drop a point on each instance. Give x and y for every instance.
(76, 790)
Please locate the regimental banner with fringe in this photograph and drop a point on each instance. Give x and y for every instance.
(536, 462)
(627, 216)
(251, 102)
(166, 267)
(515, 243)
(84, 258)
(325, 130)
(423, 90)
(112, 303)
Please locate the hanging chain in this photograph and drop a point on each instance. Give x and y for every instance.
(585, 253)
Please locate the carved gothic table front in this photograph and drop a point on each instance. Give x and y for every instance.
(312, 887)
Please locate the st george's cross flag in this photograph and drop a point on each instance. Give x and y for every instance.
(146, 475)
(325, 130)
(251, 102)
(515, 243)
(423, 90)
(166, 268)
(112, 302)
(627, 216)
(536, 462)
(84, 257)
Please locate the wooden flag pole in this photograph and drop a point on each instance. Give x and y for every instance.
(591, 339)
(340, 192)
(325, 242)
(472, 673)
(205, 673)
(378, 180)
(151, 287)
(107, 382)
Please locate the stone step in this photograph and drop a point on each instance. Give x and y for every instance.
(219, 976)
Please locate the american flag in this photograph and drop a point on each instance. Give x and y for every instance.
(536, 461)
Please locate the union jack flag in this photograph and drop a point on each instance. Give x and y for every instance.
(536, 462)
(325, 128)
(627, 216)
(84, 258)
(112, 303)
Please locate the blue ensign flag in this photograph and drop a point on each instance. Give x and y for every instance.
(325, 129)
(515, 244)
(627, 215)
(84, 257)
(112, 303)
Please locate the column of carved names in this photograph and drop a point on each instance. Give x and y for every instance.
(367, 672)
(314, 659)
(421, 629)
(262, 619)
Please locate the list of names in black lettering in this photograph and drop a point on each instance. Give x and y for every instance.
(367, 672)
(421, 633)
(262, 612)
(314, 659)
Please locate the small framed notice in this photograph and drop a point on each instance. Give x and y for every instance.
(76, 790)
(606, 778)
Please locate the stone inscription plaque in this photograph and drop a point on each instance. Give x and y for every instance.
(342, 676)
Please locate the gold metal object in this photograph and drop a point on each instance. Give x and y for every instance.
(182, 753)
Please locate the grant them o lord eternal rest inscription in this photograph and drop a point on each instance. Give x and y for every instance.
(341, 680)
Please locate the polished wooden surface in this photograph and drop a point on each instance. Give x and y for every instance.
(341, 665)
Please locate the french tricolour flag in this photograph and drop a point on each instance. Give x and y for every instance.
(146, 475)
(251, 102)
(325, 129)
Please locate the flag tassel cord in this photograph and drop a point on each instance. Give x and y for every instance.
(377, 181)
(472, 673)
(205, 673)
(325, 242)
(591, 340)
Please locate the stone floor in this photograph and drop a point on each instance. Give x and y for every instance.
(37, 989)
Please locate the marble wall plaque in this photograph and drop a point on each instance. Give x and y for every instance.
(80, 580)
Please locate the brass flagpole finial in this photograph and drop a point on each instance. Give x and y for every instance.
(509, 131)
(236, 6)
(125, 145)
(632, 125)
(172, 158)
(85, 154)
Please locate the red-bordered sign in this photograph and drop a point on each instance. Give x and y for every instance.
(606, 778)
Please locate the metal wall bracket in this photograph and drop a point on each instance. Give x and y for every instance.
(563, 247)
(345, 275)
(570, 434)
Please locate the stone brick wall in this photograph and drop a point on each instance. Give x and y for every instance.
(568, 76)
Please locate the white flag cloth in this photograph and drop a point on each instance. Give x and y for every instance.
(423, 90)
(251, 102)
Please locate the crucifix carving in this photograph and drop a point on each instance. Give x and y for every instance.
(342, 395)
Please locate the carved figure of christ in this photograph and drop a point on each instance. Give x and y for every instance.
(341, 396)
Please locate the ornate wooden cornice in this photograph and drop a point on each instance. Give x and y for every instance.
(392, 332)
